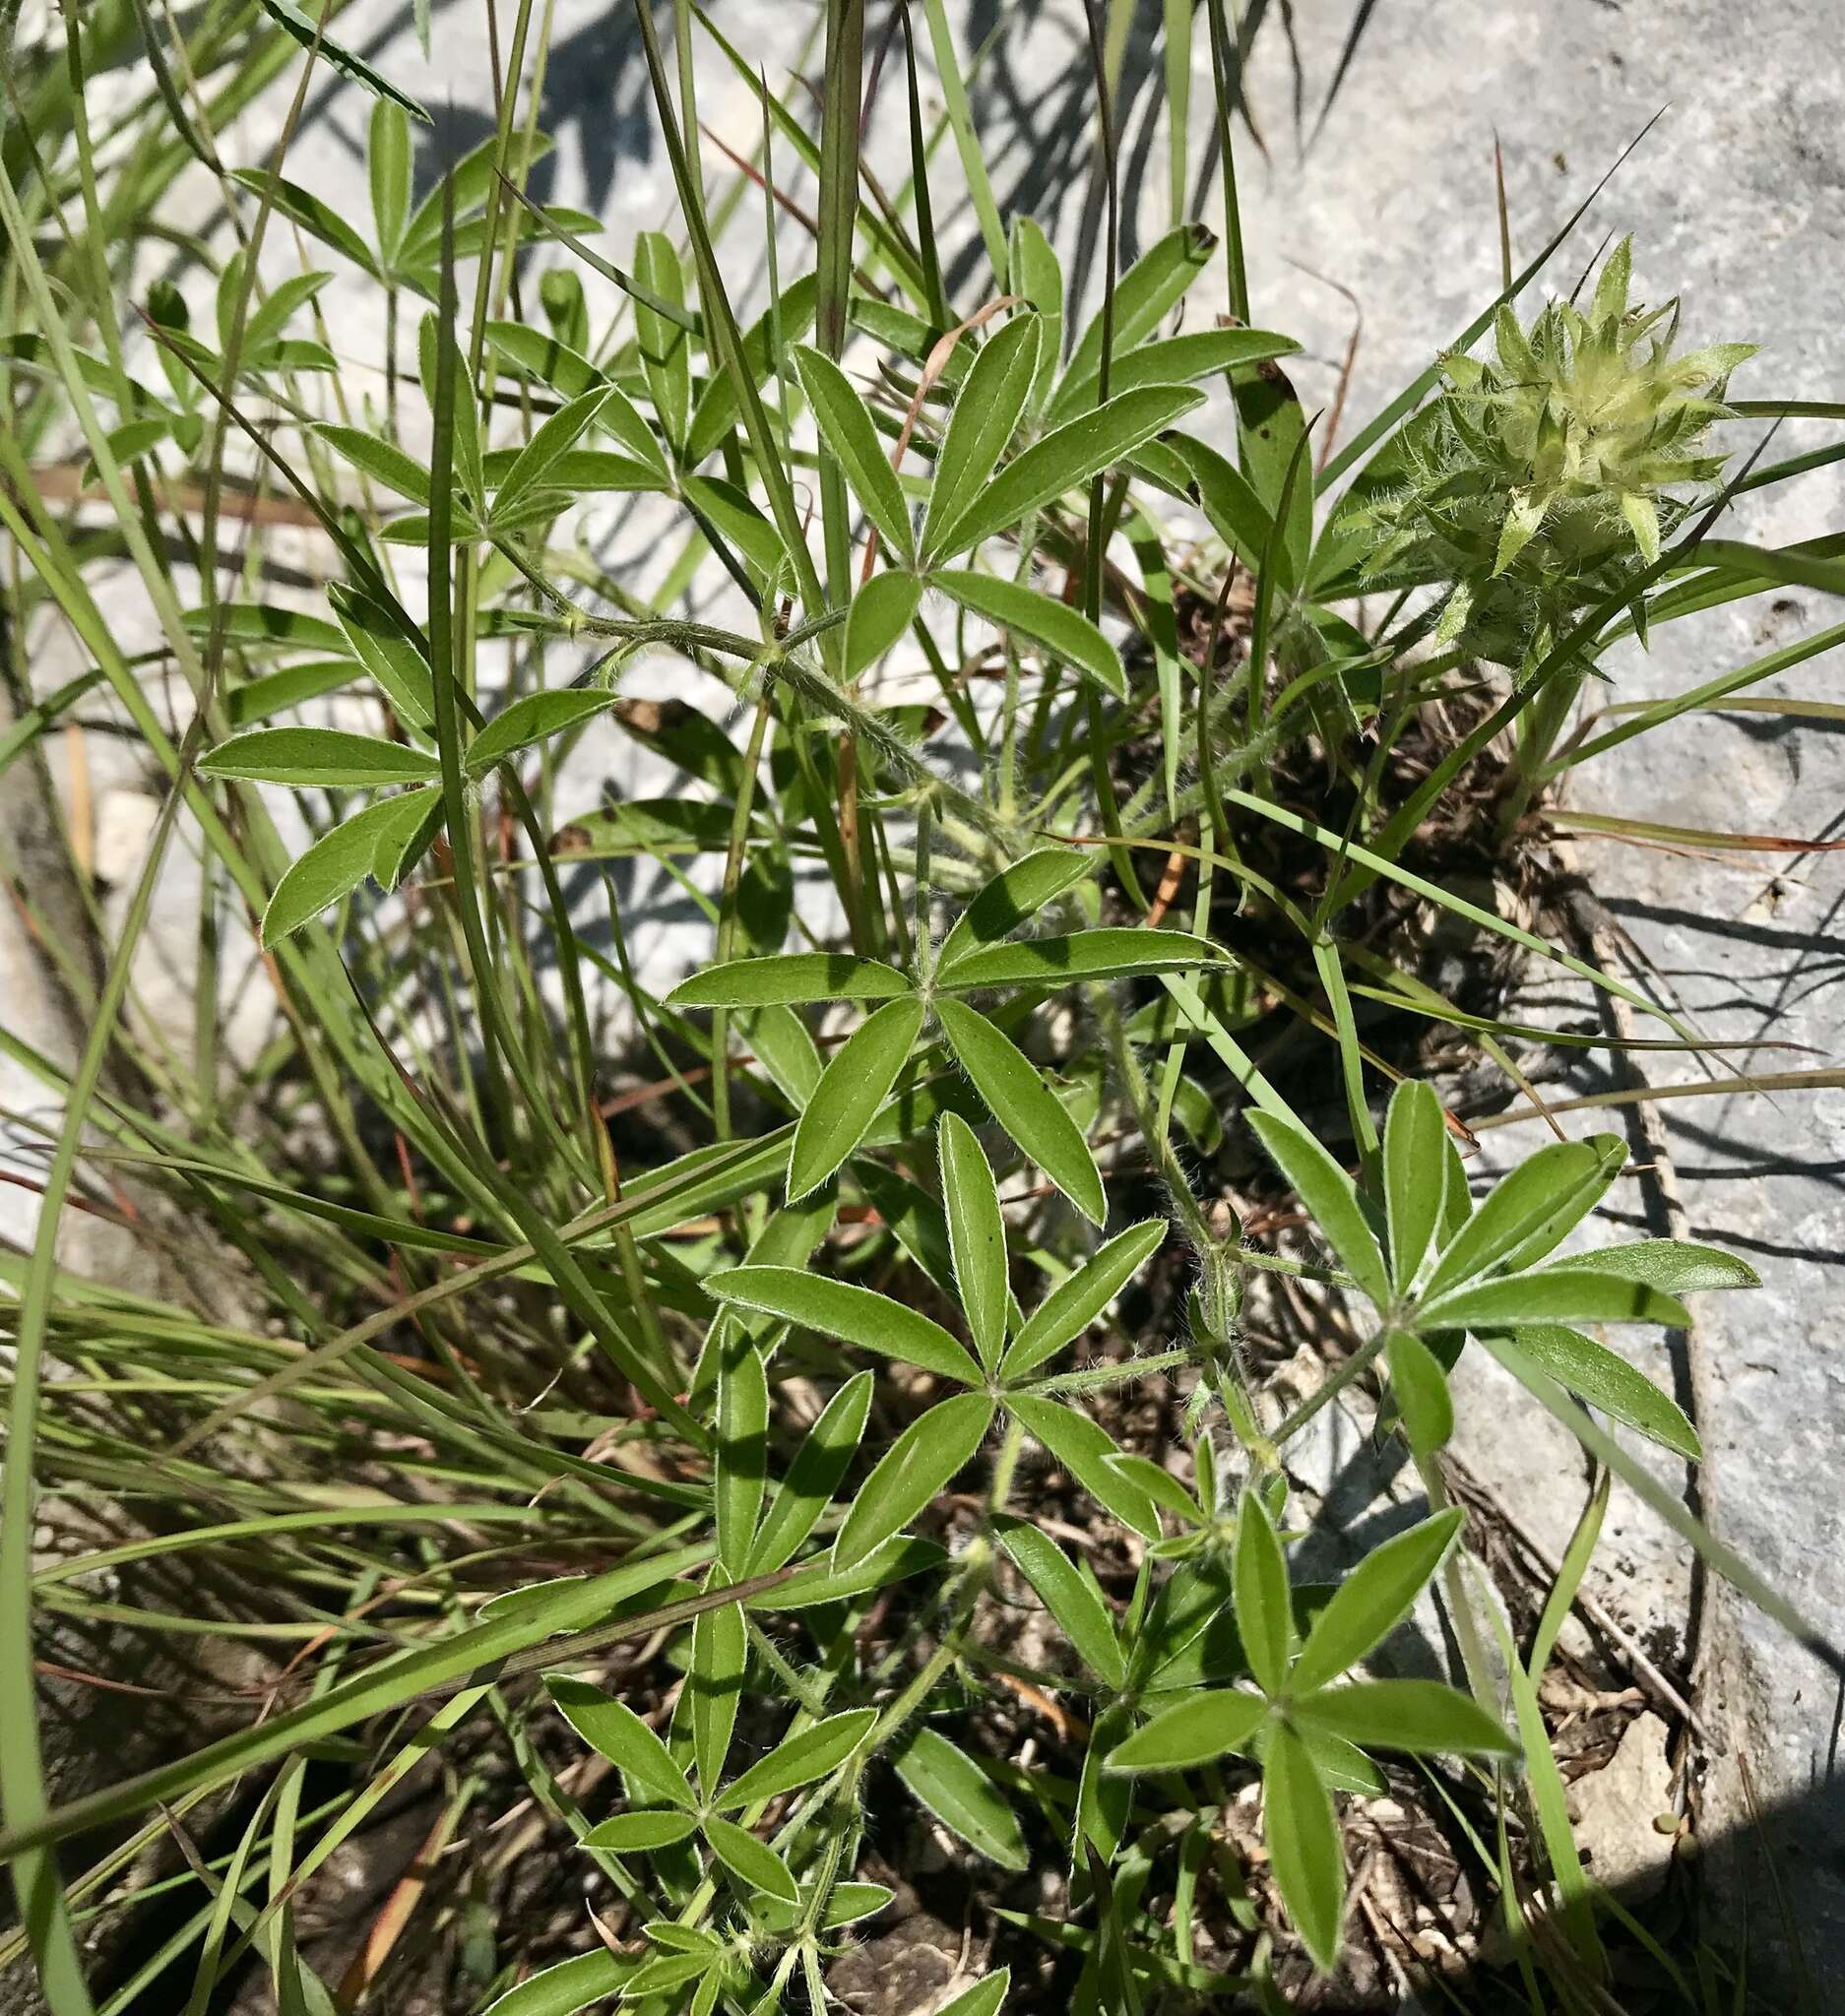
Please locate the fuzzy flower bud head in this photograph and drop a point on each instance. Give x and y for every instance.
(1546, 475)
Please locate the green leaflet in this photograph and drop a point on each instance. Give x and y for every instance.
(1552, 1294)
(1369, 1604)
(340, 860)
(535, 718)
(881, 611)
(962, 1798)
(787, 978)
(1192, 1731)
(396, 660)
(565, 1990)
(1071, 1598)
(1102, 954)
(1414, 1175)
(814, 1476)
(754, 1864)
(853, 1314)
(799, 1759)
(1060, 630)
(1024, 1106)
(922, 1461)
(330, 757)
(1171, 360)
(1418, 1716)
(379, 460)
(1674, 1266)
(1014, 897)
(1303, 1846)
(743, 1447)
(987, 414)
(977, 1235)
(984, 1998)
(1080, 1297)
(1421, 1390)
(1082, 1446)
(551, 439)
(311, 35)
(1330, 1196)
(612, 1728)
(636, 1832)
(852, 1088)
(1264, 1609)
(1065, 457)
(388, 168)
(1154, 283)
(1605, 1379)
(848, 431)
(1539, 1200)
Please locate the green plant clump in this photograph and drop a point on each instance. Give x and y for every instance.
(731, 1426)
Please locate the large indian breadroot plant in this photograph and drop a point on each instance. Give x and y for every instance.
(802, 1377)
